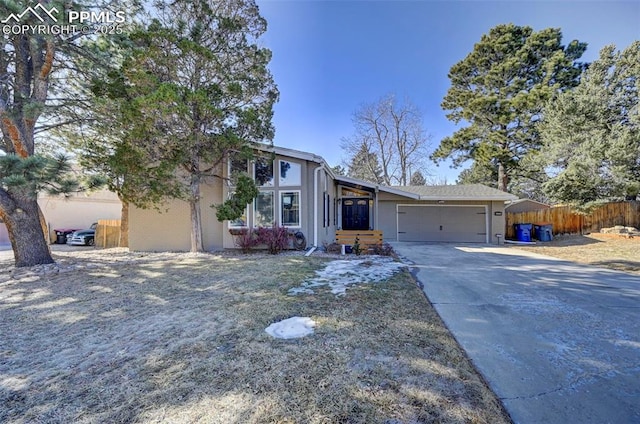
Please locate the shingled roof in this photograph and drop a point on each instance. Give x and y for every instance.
(457, 192)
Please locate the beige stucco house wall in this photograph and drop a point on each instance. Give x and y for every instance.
(301, 195)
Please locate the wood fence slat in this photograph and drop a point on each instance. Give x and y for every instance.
(108, 233)
(566, 221)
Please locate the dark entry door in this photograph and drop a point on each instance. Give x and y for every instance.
(355, 214)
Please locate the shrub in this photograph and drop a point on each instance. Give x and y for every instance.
(357, 249)
(275, 238)
(245, 239)
(332, 247)
(382, 250)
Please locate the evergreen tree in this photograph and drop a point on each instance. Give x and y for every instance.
(592, 134)
(365, 166)
(417, 179)
(339, 170)
(500, 89)
(479, 173)
(33, 65)
(195, 91)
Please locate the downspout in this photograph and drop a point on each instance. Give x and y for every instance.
(316, 173)
(375, 209)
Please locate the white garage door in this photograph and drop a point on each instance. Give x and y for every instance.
(442, 223)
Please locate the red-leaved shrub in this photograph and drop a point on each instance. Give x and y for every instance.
(246, 239)
(275, 238)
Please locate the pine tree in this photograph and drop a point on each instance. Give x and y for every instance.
(33, 65)
(417, 179)
(500, 89)
(365, 166)
(592, 134)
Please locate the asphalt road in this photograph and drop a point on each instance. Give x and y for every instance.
(558, 342)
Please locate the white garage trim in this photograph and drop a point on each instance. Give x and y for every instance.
(486, 215)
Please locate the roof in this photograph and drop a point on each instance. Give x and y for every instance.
(354, 182)
(297, 154)
(457, 192)
(441, 192)
(519, 201)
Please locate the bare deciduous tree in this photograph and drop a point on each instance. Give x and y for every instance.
(394, 132)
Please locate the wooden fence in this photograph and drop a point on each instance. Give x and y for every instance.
(566, 221)
(108, 233)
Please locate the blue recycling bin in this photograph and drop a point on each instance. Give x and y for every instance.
(523, 231)
(543, 232)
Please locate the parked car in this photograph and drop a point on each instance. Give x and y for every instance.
(62, 234)
(83, 237)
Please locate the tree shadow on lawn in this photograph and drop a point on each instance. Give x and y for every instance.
(569, 240)
(183, 340)
(620, 265)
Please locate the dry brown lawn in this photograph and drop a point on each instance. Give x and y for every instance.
(604, 250)
(118, 337)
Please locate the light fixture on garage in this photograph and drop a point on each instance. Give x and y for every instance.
(440, 202)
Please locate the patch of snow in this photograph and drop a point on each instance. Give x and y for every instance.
(291, 328)
(340, 274)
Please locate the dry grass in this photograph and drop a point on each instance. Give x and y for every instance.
(108, 336)
(604, 250)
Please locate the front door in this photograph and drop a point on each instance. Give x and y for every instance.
(355, 213)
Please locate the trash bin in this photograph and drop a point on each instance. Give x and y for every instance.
(61, 238)
(523, 231)
(543, 231)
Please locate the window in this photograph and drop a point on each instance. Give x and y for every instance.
(236, 166)
(290, 173)
(263, 172)
(326, 218)
(290, 208)
(240, 222)
(263, 207)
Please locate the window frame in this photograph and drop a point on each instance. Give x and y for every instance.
(230, 181)
(273, 208)
(285, 184)
(282, 209)
(231, 192)
(231, 224)
(272, 183)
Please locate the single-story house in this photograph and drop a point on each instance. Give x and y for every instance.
(298, 190)
(524, 205)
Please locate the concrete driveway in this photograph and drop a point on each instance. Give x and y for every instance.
(558, 342)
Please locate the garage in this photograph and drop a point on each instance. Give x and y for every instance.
(435, 223)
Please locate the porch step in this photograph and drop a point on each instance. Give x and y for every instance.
(365, 238)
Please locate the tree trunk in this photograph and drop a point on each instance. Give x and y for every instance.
(26, 233)
(196, 219)
(503, 178)
(124, 225)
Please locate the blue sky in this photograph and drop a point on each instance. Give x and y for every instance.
(329, 57)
